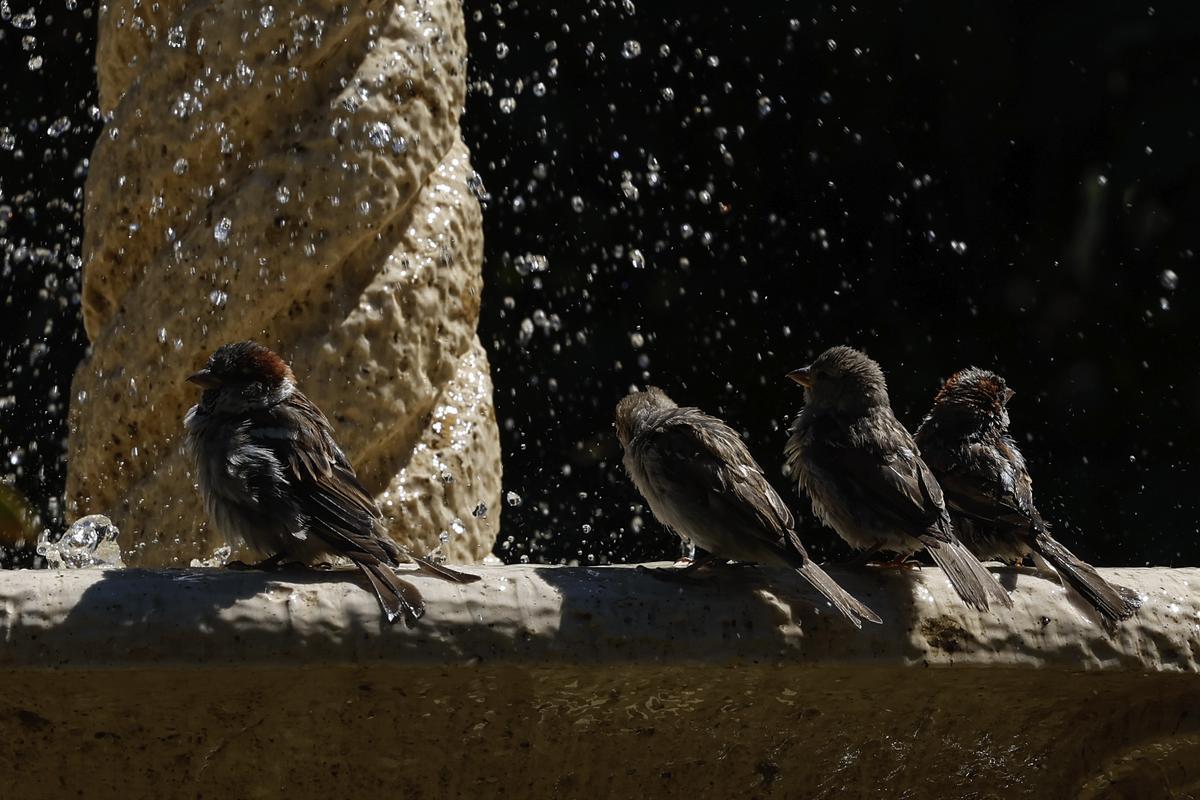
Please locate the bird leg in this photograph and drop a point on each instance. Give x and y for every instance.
(701, 561)
(273, 563)
(904, 561)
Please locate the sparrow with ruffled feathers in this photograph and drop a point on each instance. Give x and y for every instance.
(273, 477)
(700, 480)
(865, 476)
(966, 443)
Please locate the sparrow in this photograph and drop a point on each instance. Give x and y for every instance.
(865, 475)
(700, 480)
(272, 476)
(989, 492)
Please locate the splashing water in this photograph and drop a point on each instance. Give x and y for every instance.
(91, 543)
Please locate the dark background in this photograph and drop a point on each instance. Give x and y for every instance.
(1006, 185)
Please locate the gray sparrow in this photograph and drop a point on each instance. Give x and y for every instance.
(272, 476)
(865, 476)
(989, 492)
(700, 480)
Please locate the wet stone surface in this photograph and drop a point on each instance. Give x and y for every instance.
(575, 682)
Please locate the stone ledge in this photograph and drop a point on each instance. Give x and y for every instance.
(556, 682)
(536, 616)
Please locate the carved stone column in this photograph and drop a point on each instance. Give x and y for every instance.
(291, 172)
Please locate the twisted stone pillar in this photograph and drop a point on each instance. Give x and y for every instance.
(290, 172)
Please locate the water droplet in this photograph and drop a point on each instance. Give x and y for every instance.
(1102, 180)
(539, 89)
(631, 49)
(577, 204)
(512, 498)
(283, 194)
(245, 73)
(668, 93)
(958, 247)
(531, 262)
(475, 185)
(501, 50)
(826, 98)
(507, 104)
(266, 16)
(176, 37)
(637, 259)
(218, 298)
(35, 63)
(525, 332)
(221, 231)
(480, 511)
(7, 139)
(379, 133)
(59, 127)
(764, 106)
(1169, 279)
(831, 44)
(25, 22)
(181, 166)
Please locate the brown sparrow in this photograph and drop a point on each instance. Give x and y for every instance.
(965, 441)
(273, 477)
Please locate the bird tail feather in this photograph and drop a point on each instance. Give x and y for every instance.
(974, 584)
(396, 597)
(1115, 603)
(842, 600)
(438, 571)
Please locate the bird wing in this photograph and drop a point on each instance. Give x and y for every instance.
(340, 511)
(896, 484)
(705, 453)
(991, 484)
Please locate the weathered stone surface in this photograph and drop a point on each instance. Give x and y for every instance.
(292, 173)
(606, 682)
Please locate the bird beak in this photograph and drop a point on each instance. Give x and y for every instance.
(1008, 395)
(802, 376)
(204, 379)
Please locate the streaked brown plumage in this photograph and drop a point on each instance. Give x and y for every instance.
(701, 481)
(989, 491)
(273, 476)
(865, 476)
